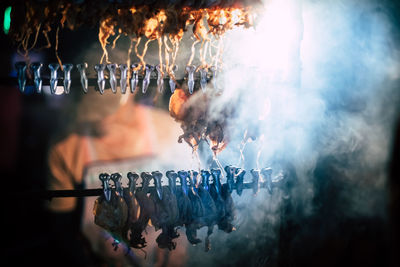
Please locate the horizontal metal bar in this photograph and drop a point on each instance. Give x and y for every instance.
(80, 193)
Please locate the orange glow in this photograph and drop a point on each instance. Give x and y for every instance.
(176, 104)
(106, 30)
(172, 23)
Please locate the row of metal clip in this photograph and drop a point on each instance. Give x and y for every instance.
(37, 79)
(112, 69)
(190, 181)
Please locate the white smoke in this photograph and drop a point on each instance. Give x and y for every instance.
(318, 80)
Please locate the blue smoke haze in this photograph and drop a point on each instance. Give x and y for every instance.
(317, 82)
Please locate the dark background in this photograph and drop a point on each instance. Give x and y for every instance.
(30, 123)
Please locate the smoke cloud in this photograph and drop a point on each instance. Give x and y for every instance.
(317, 83)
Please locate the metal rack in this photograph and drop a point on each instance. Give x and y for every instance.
(261, 179)
(110, 76)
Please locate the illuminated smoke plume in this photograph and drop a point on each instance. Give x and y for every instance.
(316, 83)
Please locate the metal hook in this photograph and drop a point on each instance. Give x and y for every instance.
(190, 70)
(101, 82)
(157, 183)
(230, 173)
(146, 177)
(132, 177)
(193, 181)
(105, 179)
(135, 77)
(53, 77)
(123, 79)
(21, 68)
(239, 174)
(205, 179)
(67, 77)
(203, 78)
(113, 79)
(84, 80)
(172, 84)
(146, 80)
(116, 177)
(172, 175)
(216, 176)
(37, 80)
(183, 175)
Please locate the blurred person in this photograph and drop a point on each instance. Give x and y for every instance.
(111, 134)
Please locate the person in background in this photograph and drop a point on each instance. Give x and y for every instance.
(111, 133)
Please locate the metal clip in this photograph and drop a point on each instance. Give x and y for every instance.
(216, 177)
(67, 77)
(190, 70)
(146, 177)
(146, 80)
(256, 180)
(84, 80)
(157, 183)
(101, 82)
(113, 80)
(160, 77)
(123, 79)
(230, 173)
(105, 179)
(193, 182)
(132, 177)
(205, 179)
(37, 80)
(171, 175)
(203, 78)
(266, 174)
(135, 77)
(53, 77)
(21, 68)
(183, 175)
(116, 177)
(172, 84)
(239, 174)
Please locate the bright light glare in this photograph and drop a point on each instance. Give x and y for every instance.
(59, 90)
(270, 46)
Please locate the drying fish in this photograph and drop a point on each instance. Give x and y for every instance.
(111, 214)
(195, 119)
(130, 199)
(183, 201)
(210, 217)
(146, 210)
(194, 203)
(165, 216)
(226, 222)
(197, 210)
